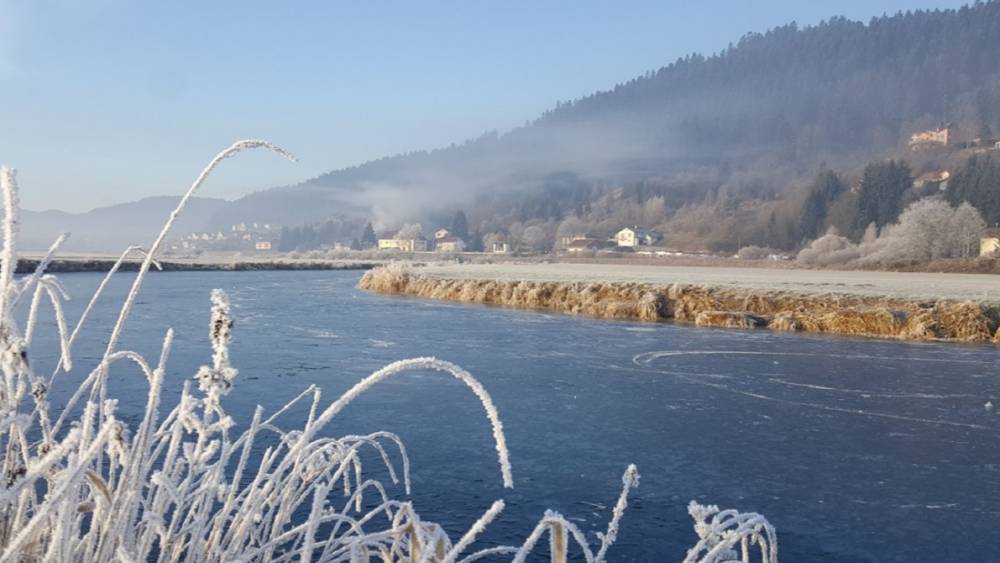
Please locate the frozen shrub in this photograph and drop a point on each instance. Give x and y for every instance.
(829, 250)
(755, 253)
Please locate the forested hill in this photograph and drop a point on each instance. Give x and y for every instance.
(838, 87)
(756, 117)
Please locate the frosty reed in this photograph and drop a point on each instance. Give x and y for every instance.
(79, 484)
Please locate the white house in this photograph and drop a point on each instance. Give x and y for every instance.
(633, 237)
(448, 243)
(441, 234)
(937, 178)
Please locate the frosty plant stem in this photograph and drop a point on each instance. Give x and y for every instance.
(188, 487)
(233, 150)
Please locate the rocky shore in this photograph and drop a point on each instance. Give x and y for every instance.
(899, 317)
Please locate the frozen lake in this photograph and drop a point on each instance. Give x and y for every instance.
(856, 450)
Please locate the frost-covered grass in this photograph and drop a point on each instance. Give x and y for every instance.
(185, 484)
(900, 285)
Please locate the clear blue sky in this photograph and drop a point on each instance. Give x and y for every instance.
(110, 100)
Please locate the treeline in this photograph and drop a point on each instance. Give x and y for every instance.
(350, 232)
(724, 217)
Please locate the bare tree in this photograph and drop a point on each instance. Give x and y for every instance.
(968, 226)
(410, 231)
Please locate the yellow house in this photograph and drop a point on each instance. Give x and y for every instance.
(402, 245)
(930, 137)
(262, 245)
(989, 244)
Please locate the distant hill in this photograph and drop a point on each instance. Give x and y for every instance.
(115, 227)
(766, 110)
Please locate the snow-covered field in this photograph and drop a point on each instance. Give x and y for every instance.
(977, 287)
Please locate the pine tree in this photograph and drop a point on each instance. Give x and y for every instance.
(882, 187)
(368, 238)
(460, 226)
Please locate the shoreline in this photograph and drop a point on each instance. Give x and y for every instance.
(853, 311)
(74, 265)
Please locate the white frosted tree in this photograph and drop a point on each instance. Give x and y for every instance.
(570, 227)
(871, 234)
(534, 238)
(968, 225)
(492, 240)
(410, 231)
(929, 229)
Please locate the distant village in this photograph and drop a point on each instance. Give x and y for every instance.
(257, 237)
(631, 239)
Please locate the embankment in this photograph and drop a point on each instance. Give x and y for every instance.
(70, 265)
(735, 307)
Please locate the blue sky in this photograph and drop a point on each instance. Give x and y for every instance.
(108, 101)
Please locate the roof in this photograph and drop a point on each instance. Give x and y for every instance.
(991, 233)
(934, 176)
(448, 239)
(583, 243)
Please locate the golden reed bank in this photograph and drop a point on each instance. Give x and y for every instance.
(881, 317)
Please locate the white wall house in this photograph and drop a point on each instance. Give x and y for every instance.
(633, 237)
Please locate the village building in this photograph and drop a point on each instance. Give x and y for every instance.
(938, 178)
(262, 245)
(402, 245)
(499, 248)
(448, 243)
(441, 234)
(583, 245)
(634, 237)
(565, 241)
(989, 244)
(929, 138)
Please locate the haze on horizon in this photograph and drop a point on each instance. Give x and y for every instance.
(117, 101)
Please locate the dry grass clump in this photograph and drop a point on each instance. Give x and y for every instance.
(730, 319)
(183, 484)
(606, 300)
(712, 306)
